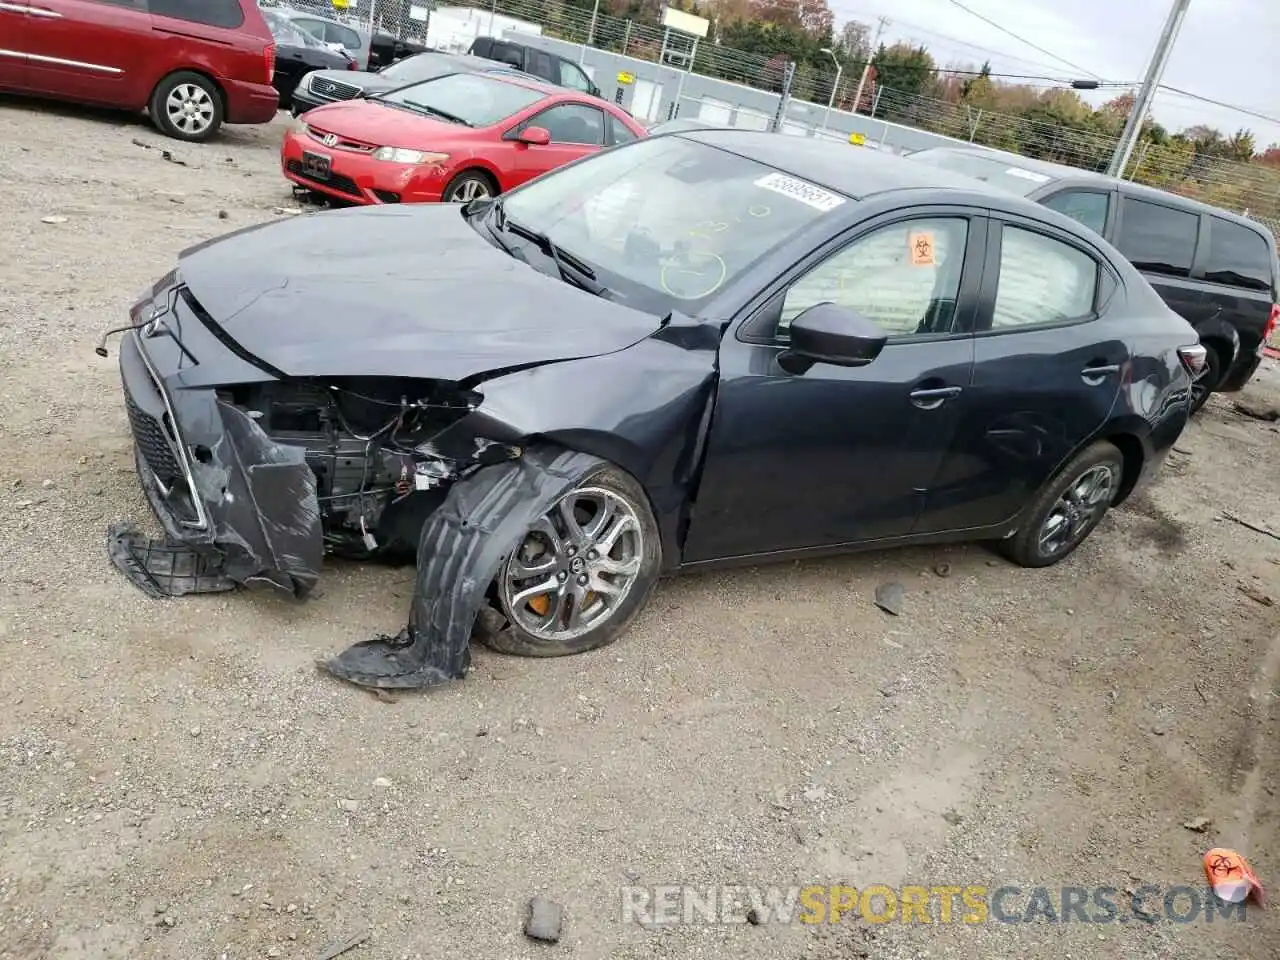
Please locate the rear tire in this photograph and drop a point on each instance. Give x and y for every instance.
(1201, 390)
(617, 549)
(186, 106)
(1067, 508)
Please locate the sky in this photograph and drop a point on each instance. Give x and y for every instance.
(1227, 50)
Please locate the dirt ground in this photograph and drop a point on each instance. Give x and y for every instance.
(178, 780)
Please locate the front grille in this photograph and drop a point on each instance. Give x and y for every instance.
(153, 442)
(333, 89)
(336, 181)
(340, 142)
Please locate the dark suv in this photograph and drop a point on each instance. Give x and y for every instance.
(1217, 269)
(548, 66)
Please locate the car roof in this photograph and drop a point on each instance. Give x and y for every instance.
(291, 12)
(470, 61)
(1060, 173)
(855, 172)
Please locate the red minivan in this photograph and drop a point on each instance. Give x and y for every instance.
(193, 64)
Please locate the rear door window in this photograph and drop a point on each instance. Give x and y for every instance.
(506, 53)
(211, 13)
(1238, 256)
(1158, 239)
(1042, 280)
(540, 65)
(1088, 207)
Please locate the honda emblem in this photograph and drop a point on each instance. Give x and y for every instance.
(330, 139)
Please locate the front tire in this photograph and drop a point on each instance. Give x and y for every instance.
(582, 573)
(1068, 508)
(186, 106)
(469, 185)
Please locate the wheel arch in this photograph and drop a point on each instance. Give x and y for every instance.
(477, 165)
(199, 71)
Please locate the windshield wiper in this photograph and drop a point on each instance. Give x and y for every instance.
(571, 269)
(433, 111)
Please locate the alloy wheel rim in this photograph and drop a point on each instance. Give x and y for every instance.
(575, 567)
(1080, 507)
(470, 190)
(189, 108)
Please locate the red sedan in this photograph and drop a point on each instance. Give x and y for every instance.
(452, 138)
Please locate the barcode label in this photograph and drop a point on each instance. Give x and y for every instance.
(801, 190)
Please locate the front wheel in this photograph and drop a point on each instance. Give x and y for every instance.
(584, 570)
(467, 186)
(1068, 508)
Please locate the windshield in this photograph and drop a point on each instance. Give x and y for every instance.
(666, 223)
(284, 32)
(419, 67)
(470, 98)
(994, 170)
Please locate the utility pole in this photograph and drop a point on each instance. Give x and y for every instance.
(591, 32)
(1142, 105)
(866, 67)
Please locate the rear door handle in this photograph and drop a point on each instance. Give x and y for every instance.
(933, 397)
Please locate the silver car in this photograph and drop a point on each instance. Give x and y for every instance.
(354, 41)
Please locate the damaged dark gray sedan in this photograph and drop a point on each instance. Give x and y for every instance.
(705, 347)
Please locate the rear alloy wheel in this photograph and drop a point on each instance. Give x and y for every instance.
(582, 572)
(468, 186)
(1068, 508)
(187, 106)
(1204, 385)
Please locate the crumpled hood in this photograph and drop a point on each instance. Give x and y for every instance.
(389, 291)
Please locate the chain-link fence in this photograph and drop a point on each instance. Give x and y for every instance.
(1174, 165)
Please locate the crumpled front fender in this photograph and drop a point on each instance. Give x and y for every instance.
(482, 520)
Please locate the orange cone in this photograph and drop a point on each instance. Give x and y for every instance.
(1231, 877)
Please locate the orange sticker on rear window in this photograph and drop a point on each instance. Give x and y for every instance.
(921, 244)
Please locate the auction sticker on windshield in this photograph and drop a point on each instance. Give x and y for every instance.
(801, 190)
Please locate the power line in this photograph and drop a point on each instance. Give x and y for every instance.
(1226, 106)
(956, 41)
(1049, 53)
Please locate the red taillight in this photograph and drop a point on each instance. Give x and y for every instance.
(1195, 359)
(269, 56)
(1272, 323)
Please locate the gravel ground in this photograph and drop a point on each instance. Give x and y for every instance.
(178, 780)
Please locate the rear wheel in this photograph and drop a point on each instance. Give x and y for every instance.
(186, 106)
(1068, 508)
(1206, 383)
(582, 572)
(469, 185)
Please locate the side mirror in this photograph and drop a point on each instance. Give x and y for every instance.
(593, 90)
(827, 333)
(534, 136)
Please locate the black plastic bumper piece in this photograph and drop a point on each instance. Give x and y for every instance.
(463, 543)
(165, 568)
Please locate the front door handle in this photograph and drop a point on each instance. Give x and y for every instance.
(1094, 374)
(931, 398)
(44, 12)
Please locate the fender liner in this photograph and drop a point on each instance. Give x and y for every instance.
(481, 521)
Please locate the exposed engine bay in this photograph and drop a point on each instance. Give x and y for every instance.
(371, 444)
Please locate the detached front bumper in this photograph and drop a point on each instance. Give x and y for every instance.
(356, 177)
(236, 507)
